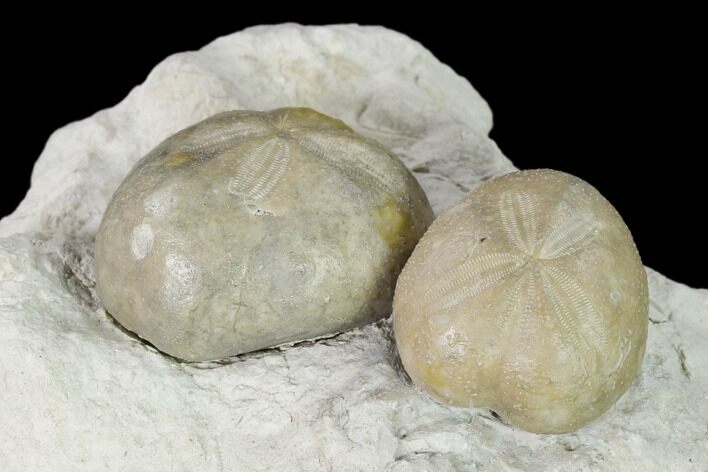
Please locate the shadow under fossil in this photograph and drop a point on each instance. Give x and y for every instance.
(392, 356)
(76, 261)
(329, 340)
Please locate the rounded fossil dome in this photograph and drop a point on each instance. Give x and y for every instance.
(527, 297)
(253, 229)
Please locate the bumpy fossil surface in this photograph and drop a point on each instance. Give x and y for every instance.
(252, 229)
(527, 297)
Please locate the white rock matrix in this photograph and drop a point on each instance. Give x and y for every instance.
(80, 393)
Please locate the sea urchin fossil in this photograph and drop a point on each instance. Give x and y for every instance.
(252, 229)
(534, 303)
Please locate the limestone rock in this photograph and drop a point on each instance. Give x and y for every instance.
(251, 229)
(79, 393)
(528, 297)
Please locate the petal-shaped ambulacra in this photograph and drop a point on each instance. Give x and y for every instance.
(253, 229)
(534, 303)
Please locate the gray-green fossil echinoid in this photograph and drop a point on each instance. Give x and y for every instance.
(527, 297)
(253, 229)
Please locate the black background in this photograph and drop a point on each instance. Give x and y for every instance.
(616, 99)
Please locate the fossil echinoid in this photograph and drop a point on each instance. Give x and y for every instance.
(527, 297)
(252, 229)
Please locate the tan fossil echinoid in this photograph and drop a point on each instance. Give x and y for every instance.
(527, 297)
(253, 229)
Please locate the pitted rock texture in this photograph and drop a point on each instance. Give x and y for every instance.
(78, 393)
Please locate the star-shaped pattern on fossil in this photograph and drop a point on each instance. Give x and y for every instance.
(263, 167)
(535, 280)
